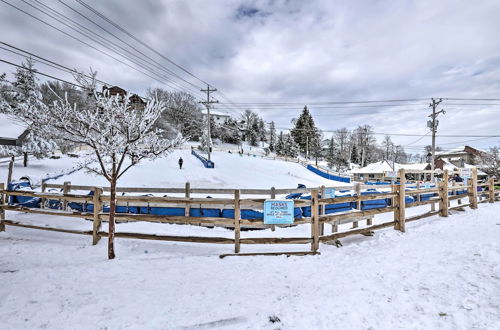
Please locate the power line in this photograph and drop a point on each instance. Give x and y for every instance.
(139, 41)
(106, 46)
(41, 73)
(157, 64)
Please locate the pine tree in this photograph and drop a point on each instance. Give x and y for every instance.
(305, 132)
(331, 156)
(291, 148)
(280, 145)
(27, 99)
(272, 136)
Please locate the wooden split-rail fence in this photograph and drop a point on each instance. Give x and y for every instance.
(317, 221)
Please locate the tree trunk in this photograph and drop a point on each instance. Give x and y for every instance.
(112, 211)
(25, 161)
(11, 167)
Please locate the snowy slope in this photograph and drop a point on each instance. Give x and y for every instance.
(443, 273)
(231, 171)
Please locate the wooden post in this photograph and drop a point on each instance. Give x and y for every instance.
(2, 211)
(237, 216)
(43, 200)
(314, 221)
(357, 187)
(273, 196)
(443, 195)
(400, 224)
(187, 194)
(491, 190)
(66, 190)
(9, 173)
(473, 202)
(97, 219)
(395, 203)
(322, 211)
(419, 198)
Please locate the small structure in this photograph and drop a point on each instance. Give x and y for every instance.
(461, 155)
(217, 117)
(136, 102)
(375, 171)
(12, 132)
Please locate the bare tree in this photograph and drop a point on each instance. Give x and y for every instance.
(491, 161)
(118, 136)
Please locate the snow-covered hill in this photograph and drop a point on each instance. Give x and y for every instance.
(231, 171)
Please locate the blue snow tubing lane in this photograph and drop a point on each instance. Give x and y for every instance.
(327, 175)
(207, 163)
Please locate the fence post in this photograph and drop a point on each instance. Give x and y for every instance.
(97, 218)
(66, 190)
(2, 211)
(419, 198)
(273, 196)
(322, 211)
(473, 202)
(187, 194)
(11, 168)
(237, 216)
(43, 200)
(491, 190)
(399, 223)
(443, 195)
(314, 220)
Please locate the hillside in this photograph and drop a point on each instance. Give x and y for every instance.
(231, 171)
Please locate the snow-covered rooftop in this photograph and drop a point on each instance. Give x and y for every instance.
(10, 128)
(378, 167)
(215, 113)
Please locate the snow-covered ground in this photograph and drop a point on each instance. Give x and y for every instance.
(231, 171)
(442, 273)
(39, 169)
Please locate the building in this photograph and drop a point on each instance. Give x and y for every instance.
(12, 132)
(135, 101)
(217, 117)
(461, 156)
(377, 171)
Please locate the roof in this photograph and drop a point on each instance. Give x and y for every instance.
(11, 128)
(413, 167)
(215, 113)
(460, 150)
(378, 167)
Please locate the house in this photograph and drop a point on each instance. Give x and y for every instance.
(217, 117)
(12, 132)
(372, 172)
(377, 171)
(135, 101)
(461, 156)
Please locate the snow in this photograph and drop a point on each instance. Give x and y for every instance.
(378, 167)
(39, 169)
(231, 171)
(10, 128)
(442, 273)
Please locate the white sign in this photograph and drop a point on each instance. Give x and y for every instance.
(278, 212)
(329, 193)
(466, 172)
(391, 174)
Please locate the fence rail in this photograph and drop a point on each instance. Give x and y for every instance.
(317, 206)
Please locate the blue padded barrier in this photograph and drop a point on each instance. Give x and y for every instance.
(207, 163)
(327, 175)
(171, 211)
(202, 212)
(255, 215)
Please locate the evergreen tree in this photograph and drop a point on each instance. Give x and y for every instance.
(272, 136)
(331, 156)
(280, 145)
(291, 147)
(27, 99)
(305, 132)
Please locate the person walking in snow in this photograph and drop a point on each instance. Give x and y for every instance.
(180, 163)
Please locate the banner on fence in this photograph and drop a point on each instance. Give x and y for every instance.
(278, 212)
(329, 193)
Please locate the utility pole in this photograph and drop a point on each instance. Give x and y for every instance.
(207, 103)
(433, 124)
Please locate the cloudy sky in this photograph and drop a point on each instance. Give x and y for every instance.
(298, 52)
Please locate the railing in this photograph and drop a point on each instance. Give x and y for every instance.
(395, 202)
(207, 163)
